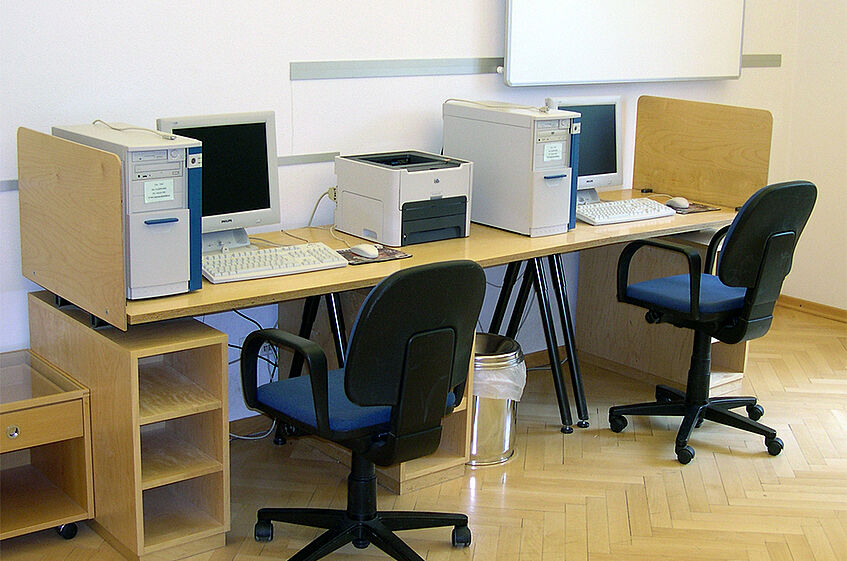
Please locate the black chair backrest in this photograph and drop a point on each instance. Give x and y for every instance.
(441, 299)
(758, 251)
(412, 342)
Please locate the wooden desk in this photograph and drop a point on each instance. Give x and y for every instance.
(487, 246)
(142, 511)
(158, 498)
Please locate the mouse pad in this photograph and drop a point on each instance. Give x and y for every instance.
(696, 207)
(385, 254)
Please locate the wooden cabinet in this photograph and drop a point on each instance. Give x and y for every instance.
(159, 426)
(45, 448)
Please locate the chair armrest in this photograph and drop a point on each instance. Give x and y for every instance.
(691, 254)
(712, 251)
(314, 356)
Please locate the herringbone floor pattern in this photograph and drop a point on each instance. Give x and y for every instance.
(595, 495)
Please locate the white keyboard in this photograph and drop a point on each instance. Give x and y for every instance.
(254, 263)
(626, 210)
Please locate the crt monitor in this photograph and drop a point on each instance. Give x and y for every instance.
(240, 177)
(600, 143)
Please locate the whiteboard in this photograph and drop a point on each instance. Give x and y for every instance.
(598, 41)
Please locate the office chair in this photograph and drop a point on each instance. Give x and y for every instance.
(733, 305)
(407, 364)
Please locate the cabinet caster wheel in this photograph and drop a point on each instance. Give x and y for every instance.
(582, 424)
(67, 531)
(617, 423)
(461, 536)
(774, 445)
(685, 454)
(755, 412)
(263, 531)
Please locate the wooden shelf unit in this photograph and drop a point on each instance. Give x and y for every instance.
(160, 426)
(45, 451)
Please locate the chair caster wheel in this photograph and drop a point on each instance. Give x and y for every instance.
(685, 454)
(263, 531)
(360, 543)
(67, 531)
(566, 429)
(461, 536)
(617, 423)
(774, 445)
(755, 412)
(582, 424)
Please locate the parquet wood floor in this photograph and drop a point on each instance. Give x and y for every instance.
(594, 495)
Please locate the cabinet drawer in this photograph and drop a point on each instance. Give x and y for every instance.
(41, 425)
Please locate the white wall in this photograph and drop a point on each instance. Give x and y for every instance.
(818, 150)
(66, 63)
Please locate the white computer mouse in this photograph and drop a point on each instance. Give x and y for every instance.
(366, 250)
(677, 202)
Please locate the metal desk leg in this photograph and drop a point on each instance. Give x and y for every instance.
(307, 322)
(520, 304)
(336, 324)
(509, 280)
(535, 269)
(310, 312)
(560, 288)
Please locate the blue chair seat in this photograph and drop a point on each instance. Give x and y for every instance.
(674, 293)
(293, 397)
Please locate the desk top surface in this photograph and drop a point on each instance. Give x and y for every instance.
(487, 246)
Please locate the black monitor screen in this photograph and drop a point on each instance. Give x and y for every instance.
(235, 167)
(596, 139)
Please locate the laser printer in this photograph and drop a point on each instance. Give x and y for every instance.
(161, 178)
(403, 198)
(525, 163)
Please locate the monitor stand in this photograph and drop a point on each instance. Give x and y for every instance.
(225, 240)
(585, 196)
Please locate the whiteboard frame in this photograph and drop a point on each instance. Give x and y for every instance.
(615, 41)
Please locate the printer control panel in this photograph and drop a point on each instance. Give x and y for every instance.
(552, 144)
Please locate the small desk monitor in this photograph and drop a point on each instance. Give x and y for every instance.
(240, 176)
(600, 143)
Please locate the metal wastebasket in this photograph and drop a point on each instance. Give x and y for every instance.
(494, 419)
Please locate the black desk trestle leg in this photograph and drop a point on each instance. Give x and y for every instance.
(336, 324)
(535, 268)
(560, 287)
(532, 273)
(509, 280)
(520, 304)
(307, 323)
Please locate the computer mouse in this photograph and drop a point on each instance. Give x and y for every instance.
(677, 202)
(366, 250)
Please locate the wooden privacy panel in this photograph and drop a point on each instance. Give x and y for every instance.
(705, 152)
(71, 220)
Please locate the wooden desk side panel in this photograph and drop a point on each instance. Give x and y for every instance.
(618, 333)
(71, 221)
(616, 336)
(63, 338)
(706, 152)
